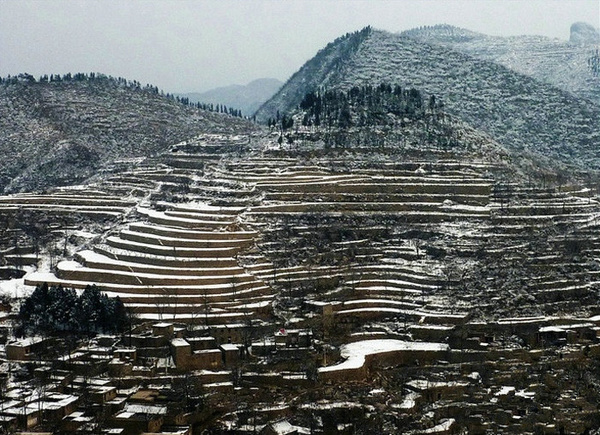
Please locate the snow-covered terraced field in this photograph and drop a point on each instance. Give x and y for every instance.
(177, 268)
(374, 238)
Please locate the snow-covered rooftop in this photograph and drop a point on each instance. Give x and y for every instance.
(356, 352)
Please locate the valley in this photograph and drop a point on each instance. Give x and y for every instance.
(393, 252)
(247, 256)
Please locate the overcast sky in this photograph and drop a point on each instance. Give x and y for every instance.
(191, 46)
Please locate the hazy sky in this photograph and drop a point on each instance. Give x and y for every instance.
(189, 46)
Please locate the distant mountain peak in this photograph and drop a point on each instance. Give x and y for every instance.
(247, 98)
(584, 33)
(564, 64)
(523, 114)
(318, 71)
(265, 81)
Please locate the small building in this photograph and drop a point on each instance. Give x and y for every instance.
(293, 337)
(20, 350)
(75, 421)
(202, 343)
(185, 359)
(230, 354)
(146, 340)
(279, 427)
(208, 359)
(163, 329)
(229, 333)
(60, 405)
(144, 396)
(181, 351)
(552, 336)
(102, 393)
(119, 368)
(136, 418)
(26, 417)
(568, 333)
(438, 390)
(125, 353)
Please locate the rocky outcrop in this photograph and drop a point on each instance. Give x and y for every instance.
(584, 33)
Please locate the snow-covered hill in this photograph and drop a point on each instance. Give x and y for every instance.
(385, 251)
(563, 64)
(60, 132)
(524, 114)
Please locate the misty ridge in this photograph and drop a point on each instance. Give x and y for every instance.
(525, 115)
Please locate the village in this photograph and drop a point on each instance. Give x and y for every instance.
(170, 379)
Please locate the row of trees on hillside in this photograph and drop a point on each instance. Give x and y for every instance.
(54, 309)
(78, 77)
(121, 82)
(370, 116)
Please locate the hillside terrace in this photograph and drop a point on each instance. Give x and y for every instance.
(349, 266)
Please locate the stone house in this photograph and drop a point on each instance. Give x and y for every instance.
(23, 349)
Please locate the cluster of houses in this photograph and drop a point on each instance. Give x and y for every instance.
(155, 380)
(168, 378)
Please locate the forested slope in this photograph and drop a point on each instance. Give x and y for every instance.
(525, 115)
(564, 64)
(60, 131)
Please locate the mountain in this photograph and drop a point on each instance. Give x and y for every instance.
(247, 98)
(315, 73)
(564, 64)
(371, 264)
(61, 131)
(525, 115)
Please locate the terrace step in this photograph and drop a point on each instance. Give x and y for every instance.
(71, 270)
(163, 260)
(360, 188)
(105, 201)
(222, 300)
(210, 319)
(216, 290)
(180, 242)
(467, 199)
(377, 302)
(163, 218)
(176, 251)
(388, 207)
(94, 260)
(214, 211)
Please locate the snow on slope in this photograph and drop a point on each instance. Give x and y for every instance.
(60, 133)
(521, 113)
(563, 64)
